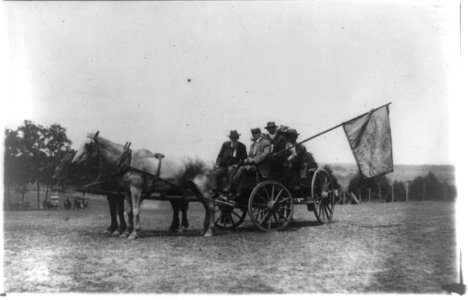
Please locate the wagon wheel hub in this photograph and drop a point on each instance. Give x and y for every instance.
(271, 204)
(324, 194)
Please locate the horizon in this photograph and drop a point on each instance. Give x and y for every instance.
(320, 163)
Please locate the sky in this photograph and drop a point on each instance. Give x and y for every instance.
(176, 77)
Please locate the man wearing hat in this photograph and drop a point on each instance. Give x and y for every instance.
(232, 152)
(257, 160)
(278, 144)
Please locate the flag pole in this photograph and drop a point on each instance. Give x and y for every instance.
(330, 129)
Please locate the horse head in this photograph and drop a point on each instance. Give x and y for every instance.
(87, 151)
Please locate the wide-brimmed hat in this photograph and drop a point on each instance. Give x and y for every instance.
(271, 125)
(294, 132)
(287, 130)
(255, 131)
(283, 129)
(234, 134)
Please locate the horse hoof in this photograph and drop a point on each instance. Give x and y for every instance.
(208, 234)
(124, 235)
(132, 237)
(182, 230)
(116, 233)
(172, 230)
(110, 230)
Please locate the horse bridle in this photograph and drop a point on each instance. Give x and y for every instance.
(122, 163)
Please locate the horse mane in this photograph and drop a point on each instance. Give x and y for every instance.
(105, 142)
(196, 172)
(194, 167)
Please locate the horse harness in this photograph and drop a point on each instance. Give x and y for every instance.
(124, 165)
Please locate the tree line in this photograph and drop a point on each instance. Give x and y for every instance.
(32, 152)
(427, 187)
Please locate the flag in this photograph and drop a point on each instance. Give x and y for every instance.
(370, 139)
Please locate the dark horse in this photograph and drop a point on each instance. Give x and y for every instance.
(66, 173)
(141, 172)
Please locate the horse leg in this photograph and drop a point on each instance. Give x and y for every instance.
(175, 216)
(208, 224)
(128, 212)
(112, 210)
(120, 212)
(183, 208)
(208, 205)
(136, 198)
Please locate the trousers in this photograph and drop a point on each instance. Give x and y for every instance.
(223, 176)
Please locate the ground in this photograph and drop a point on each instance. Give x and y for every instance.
(369, 248)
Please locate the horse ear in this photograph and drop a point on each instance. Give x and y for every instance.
(89, 146)
(96, 135)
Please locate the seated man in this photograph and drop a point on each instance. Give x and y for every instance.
(290, 135)
(298, 159)
(302, 160)
(257, 160)
(278, 145)
(232, 152)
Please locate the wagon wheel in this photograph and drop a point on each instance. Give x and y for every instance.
(271, 206)
(323, 196)
(229, 217)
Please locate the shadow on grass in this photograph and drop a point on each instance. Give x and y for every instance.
(381, 226)
(145, 234)
(160, 233)
(293, 226)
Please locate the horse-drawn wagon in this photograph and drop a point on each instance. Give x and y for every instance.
(270, 202)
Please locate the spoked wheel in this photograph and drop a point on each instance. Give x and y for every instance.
(228, 217)
(271, 206)
(323, 196)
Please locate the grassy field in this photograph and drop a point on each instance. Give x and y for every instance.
(370, 248)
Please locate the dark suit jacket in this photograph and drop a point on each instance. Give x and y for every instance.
(225, 157)
(279, 144)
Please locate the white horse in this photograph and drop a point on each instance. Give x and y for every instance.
(143, 172)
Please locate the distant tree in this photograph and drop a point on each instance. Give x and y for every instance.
(399, 192)
(449, 191)
(24, 156)
(426, 188)
(416, 188)
(15, 169)
(361, 184)
(57, 145)
(434, 188)
(31, 154)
